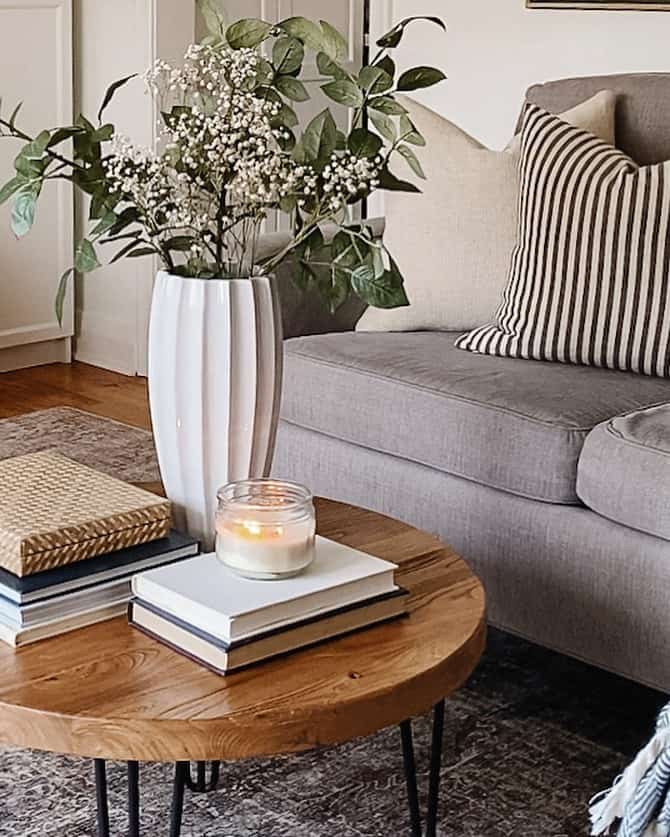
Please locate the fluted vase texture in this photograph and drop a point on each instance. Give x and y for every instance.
(215, 370)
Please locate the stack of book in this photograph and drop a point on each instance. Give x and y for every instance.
(55, 601)
(71, 539)
(200, 608)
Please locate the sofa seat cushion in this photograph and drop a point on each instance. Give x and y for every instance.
(510, 424)
(624, 470)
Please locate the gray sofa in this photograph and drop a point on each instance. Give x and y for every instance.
(553, 481)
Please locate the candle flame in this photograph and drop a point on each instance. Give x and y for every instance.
(251, 530)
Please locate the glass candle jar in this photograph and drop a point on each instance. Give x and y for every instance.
(265, 529)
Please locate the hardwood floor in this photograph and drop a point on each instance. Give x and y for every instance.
(75, 385)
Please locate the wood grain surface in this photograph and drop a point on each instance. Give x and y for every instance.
(110, 692)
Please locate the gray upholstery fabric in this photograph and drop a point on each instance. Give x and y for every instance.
(624, 470)
(643, 109)
(510, 424)
(305, 312)
(559, 575)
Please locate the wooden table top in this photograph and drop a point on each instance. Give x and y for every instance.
(108, 691)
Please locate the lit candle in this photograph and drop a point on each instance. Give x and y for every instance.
(265, 529)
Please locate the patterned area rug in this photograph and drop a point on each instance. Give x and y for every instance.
(528, 740)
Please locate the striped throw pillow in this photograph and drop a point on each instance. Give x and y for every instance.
(589, 280)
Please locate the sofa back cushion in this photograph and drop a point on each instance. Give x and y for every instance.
(454, 240)
(643, 109)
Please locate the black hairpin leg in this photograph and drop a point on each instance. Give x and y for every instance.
(434, 779)
(133, 798)
(181, 773)
(101, 797)
(183, 779)
(201, 784)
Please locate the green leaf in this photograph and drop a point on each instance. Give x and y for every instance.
(62, 134)
(319, 138)
(375, 80)
(15, 113)
(287, 54)
(340, 140)
(408, 131)
(342, 251)
(391, 183)
(286, 118)
(419, 77)
(334, 288)
(328, 67)
(269, 94)
(387, 64)
(98, 208)
(387, 105)
(130, 215)
(11, 187)
(306, 31)
(214, 17)
(292, 88)
(59, 302)
(363, 143)
(393, 37)
(385, 291)
(105, 224)
(23, 211)
(313, 243)
(264, 72)
(334, 43)
(85, 258)
(30, 161)
(344, 92)
(103, 134)
(124, 250)
(141, 251)
(182, 243)
(248, 32)
(111, 90)
(385, 125)
(412, 160)
(83, 122)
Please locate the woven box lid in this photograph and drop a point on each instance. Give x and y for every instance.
(54, 511)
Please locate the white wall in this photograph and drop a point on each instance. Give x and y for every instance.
(495, 49)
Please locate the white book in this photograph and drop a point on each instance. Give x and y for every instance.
(16, 636)
(207, 595)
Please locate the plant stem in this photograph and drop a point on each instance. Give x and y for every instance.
(219, 228)
(15, 132)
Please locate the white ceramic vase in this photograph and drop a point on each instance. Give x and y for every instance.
(215, 370)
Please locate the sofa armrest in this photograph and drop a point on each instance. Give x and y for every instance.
(305, 312)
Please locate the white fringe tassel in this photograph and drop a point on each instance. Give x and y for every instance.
(657, 830)
(608, 806)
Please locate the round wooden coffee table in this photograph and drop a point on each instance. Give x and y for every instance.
(110, 692)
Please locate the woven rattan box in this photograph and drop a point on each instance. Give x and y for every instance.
(54, 511)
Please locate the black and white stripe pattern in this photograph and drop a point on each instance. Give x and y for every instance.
(590, 276)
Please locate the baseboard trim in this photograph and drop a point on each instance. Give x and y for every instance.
(36, 354)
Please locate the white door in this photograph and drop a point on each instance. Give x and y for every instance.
(36, 67)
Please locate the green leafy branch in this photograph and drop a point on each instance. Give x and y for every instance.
(352, 260)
